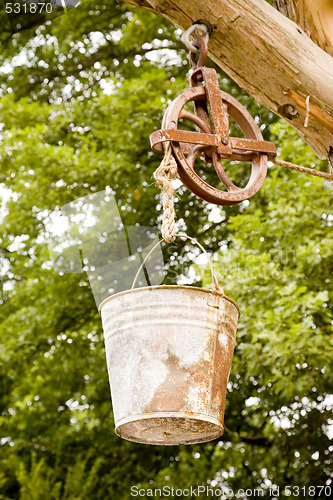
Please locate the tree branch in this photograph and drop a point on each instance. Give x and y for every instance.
(315, 18)
(268, 55)
(259, 440)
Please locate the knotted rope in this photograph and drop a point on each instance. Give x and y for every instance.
(163, 176)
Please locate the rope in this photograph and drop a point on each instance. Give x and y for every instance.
(163, 176)
(167, 171)
(307, 107)
(305, 170)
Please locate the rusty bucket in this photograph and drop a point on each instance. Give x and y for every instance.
(169, 350)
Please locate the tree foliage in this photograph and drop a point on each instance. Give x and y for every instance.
(79, 97)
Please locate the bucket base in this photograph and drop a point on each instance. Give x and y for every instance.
(169, 428)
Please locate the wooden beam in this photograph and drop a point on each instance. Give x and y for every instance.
(269, 56)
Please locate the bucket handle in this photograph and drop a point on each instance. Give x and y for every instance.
(215, 284)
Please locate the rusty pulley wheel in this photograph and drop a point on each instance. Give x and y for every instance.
(212, 141)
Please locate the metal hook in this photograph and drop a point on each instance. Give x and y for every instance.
(201, 30)
(201, 43)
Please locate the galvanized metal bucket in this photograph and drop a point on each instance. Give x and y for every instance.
(169, 350)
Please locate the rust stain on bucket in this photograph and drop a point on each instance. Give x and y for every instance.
(169, 351)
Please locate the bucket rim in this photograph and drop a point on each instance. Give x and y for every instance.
(203, 417)
(155, 287)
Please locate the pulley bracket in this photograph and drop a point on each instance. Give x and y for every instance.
(211, 141)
